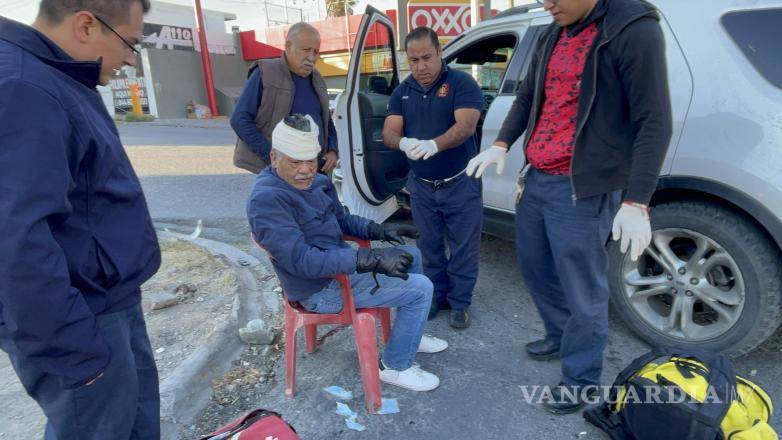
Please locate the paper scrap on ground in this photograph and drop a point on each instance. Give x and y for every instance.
(355, 426)
(345, 411)
(339, 392)
(388, 406)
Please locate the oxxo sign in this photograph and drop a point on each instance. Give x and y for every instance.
(447, 19)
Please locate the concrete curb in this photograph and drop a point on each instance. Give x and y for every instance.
(212, 124)
(188, 390)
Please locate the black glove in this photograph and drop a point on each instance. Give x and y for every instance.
(390, 261)
(391, 232)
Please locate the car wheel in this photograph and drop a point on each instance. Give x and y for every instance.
(710, 280)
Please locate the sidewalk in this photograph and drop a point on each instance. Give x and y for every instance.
(481, 374)
(220, 123)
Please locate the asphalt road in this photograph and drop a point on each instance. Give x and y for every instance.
(187, 175)
(481, 372)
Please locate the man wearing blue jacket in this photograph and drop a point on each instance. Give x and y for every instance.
(296, 216)
(75, 232)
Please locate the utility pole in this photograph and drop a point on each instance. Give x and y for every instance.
(347, 28)
(402, 25)
(475, 12)
(206, 60)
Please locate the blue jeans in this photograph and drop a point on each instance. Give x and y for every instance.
(561, 251)
(122, 404)
(412, 299)
(453, 213)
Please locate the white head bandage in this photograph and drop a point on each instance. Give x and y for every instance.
(296, 143)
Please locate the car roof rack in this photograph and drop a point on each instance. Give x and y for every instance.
(516, 10)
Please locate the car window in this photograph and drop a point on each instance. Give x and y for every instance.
(756, 33)
(378, 75)
(486, 61)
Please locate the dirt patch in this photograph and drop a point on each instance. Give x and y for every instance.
(236, 393)
(205, 287)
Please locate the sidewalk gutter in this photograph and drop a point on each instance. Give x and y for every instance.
(188, 390)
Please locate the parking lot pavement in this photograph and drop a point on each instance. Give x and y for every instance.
(481, 374)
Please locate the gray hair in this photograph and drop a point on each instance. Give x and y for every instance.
(113, 11)
(298, 121)
(298, 28)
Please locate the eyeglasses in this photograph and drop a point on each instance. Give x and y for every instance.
(136, 48)
(541, 2)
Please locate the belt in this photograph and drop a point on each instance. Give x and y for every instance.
(441, 183)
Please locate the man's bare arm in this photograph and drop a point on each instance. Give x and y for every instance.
(466, 123)
(392, 131)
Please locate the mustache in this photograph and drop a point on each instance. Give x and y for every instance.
(304, 176)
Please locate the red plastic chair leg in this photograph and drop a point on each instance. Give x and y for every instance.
(385, 324)
(366, 345)
(290, 355)
(311, 337)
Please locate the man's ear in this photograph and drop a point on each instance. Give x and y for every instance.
(84, 26)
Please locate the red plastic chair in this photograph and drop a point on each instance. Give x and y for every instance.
(364, 331)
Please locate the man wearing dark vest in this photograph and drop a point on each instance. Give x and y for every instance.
(280, 87)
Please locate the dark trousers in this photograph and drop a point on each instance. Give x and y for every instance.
(122, 404)
(561, 252)
(452, 212)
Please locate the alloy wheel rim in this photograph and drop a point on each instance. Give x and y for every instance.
(685, 286)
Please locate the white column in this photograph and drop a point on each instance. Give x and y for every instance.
(150, 84)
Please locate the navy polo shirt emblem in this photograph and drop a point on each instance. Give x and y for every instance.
(443, 92)
(429, 113)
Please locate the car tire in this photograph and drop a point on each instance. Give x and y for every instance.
(741, 258)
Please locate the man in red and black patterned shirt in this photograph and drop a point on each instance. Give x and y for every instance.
(596, 110)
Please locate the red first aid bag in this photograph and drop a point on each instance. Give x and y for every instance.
(256, 425)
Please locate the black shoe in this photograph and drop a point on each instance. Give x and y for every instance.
(543, 349)
(567, 399)
(459, 318)
(435, 308)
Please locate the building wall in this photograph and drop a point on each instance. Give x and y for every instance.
(178, 79)
(184, 16)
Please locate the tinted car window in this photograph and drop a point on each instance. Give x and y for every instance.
(757, 35)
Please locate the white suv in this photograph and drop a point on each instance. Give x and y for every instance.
(717, 212)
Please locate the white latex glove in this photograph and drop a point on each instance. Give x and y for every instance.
(631, 224)
(495, 154)
(406, 145)
(425, 149)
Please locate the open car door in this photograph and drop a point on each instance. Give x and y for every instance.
(371, 173)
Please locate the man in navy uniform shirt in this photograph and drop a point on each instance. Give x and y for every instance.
(432, 118)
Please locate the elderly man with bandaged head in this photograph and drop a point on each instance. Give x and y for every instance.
(294, 213)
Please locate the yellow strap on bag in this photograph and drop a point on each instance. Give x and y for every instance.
(749, 413)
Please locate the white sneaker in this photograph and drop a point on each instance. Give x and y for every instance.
(414, 378)
(430, 344)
